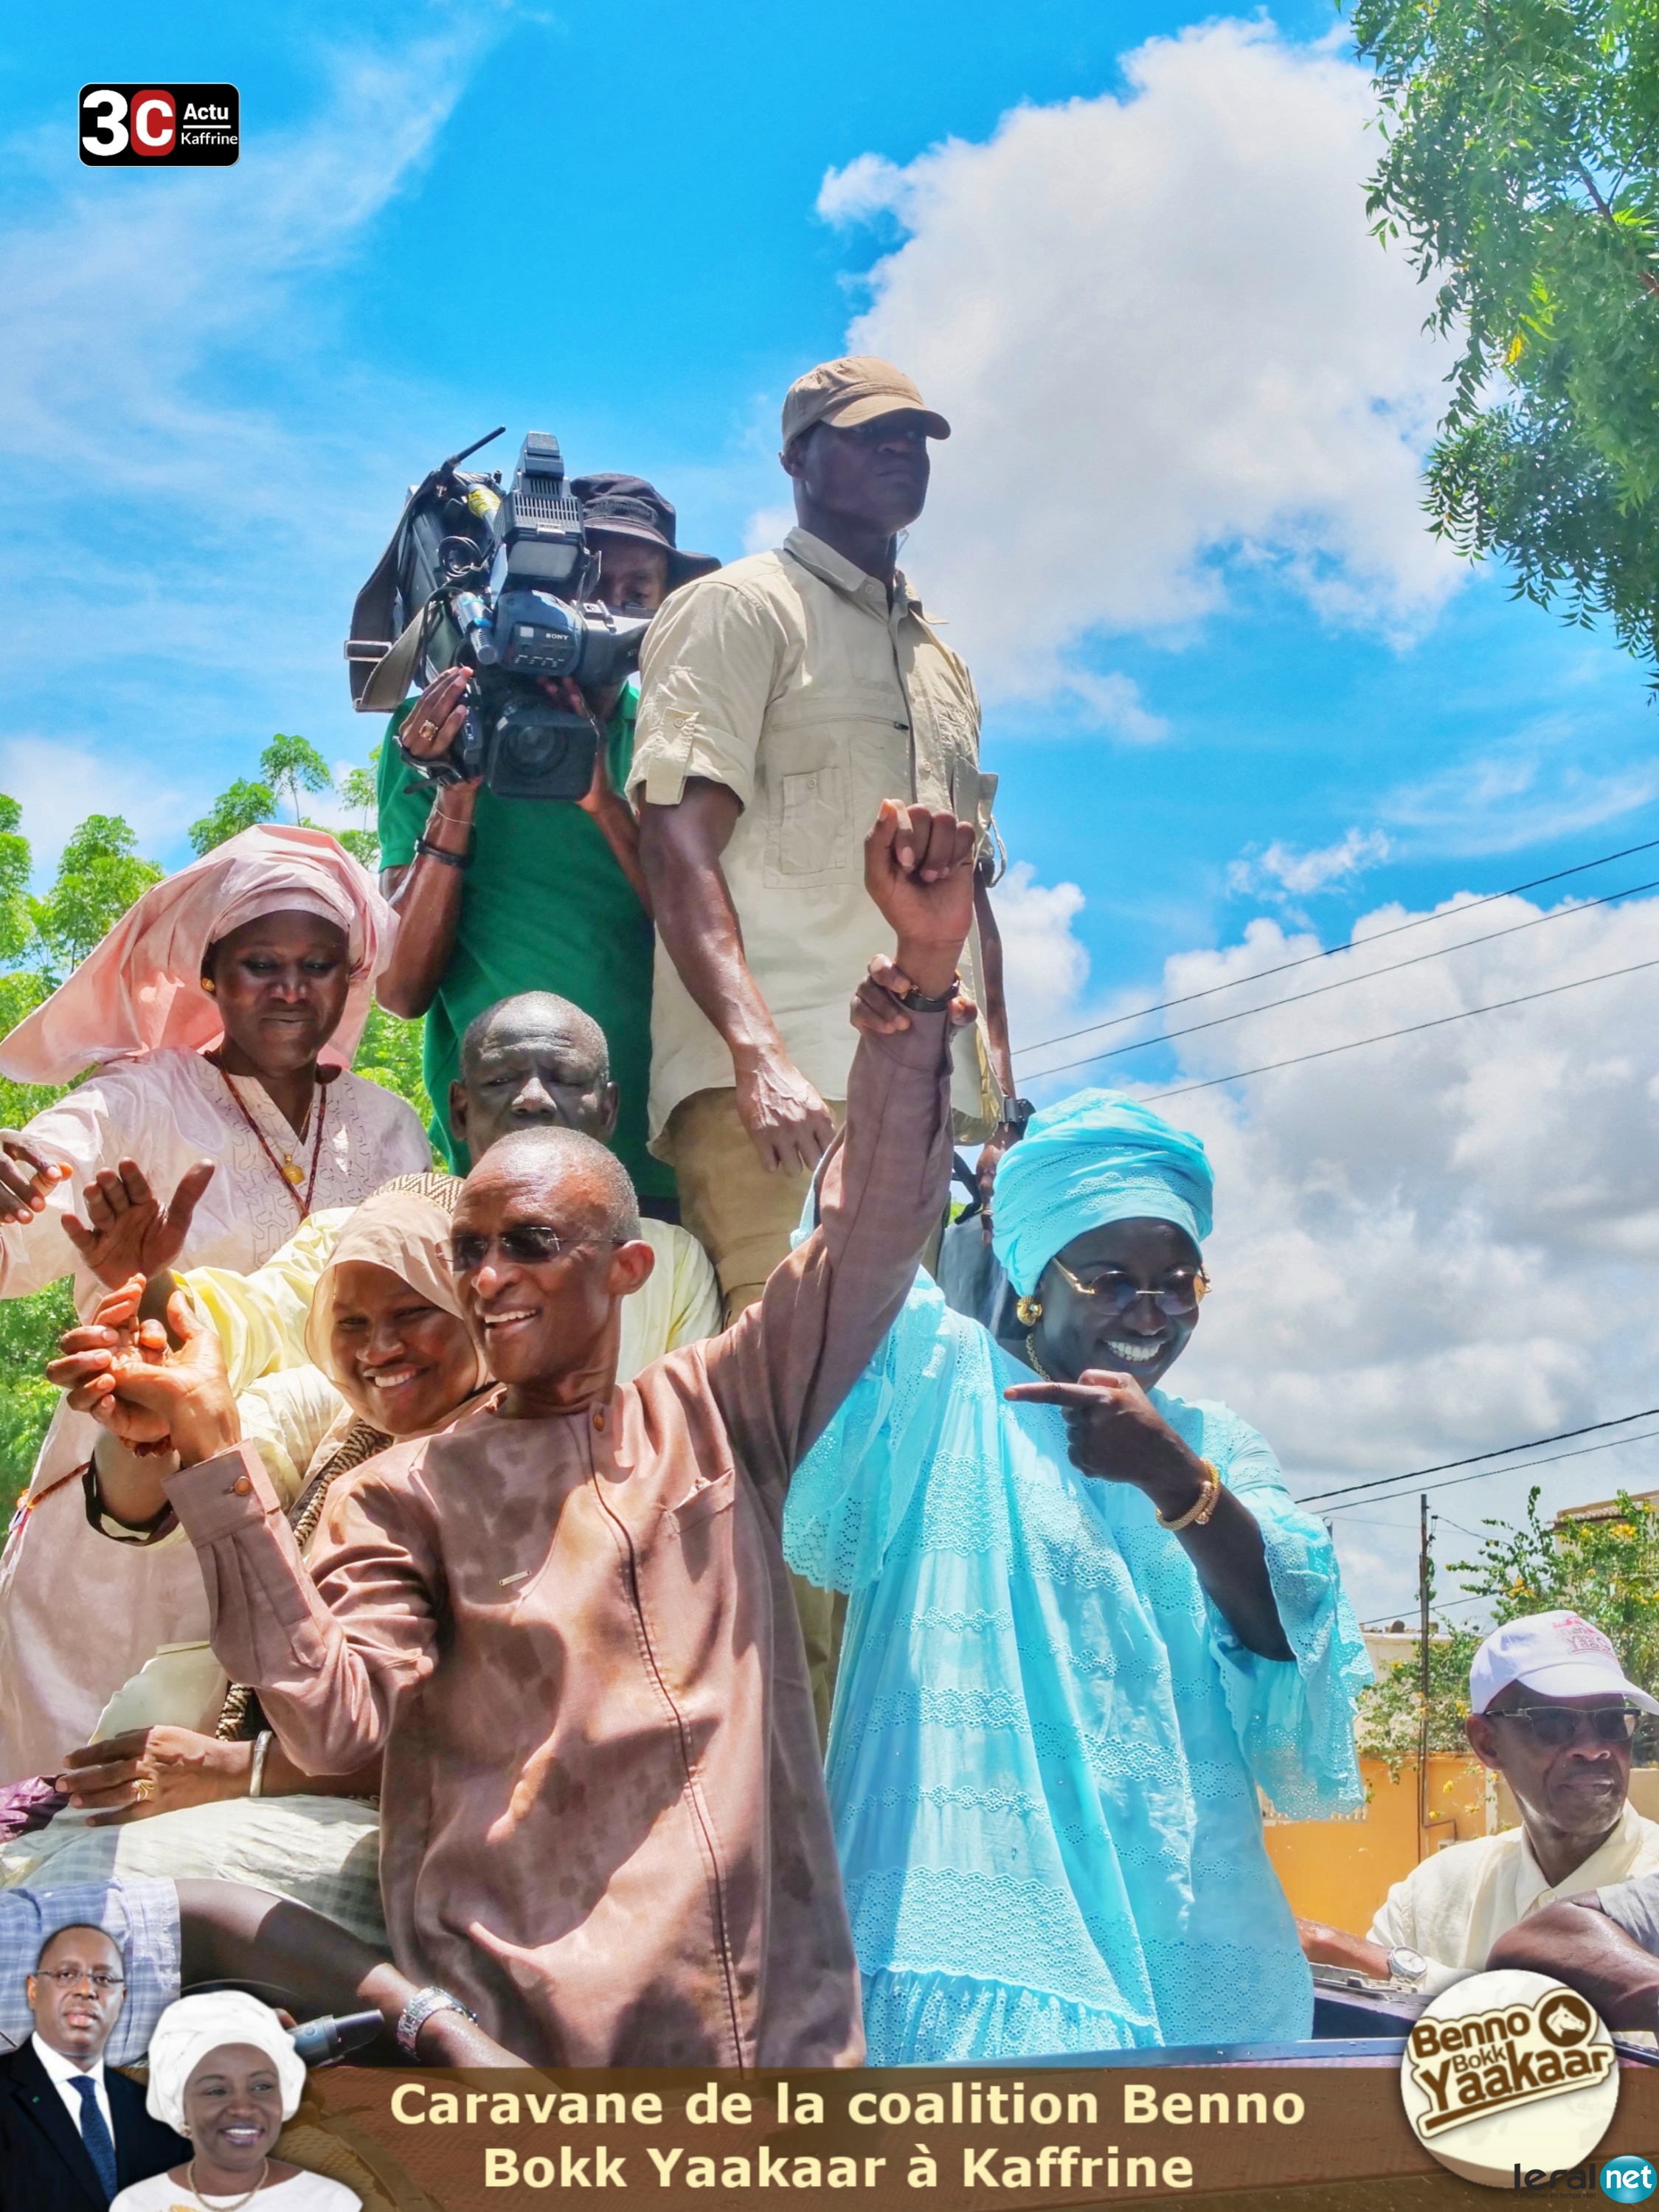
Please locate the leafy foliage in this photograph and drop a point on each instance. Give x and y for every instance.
(291, 765)
(359, 789)
(1390, 1711)
(29, 1330)
(234, 811)
(389, 1054)
(1606, 1572)
(16, 920)
(99, 877)
(1521, 166)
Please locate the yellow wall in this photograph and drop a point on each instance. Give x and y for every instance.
(1339, 1871)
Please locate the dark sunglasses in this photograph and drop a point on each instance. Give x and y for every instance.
(1556, 1726)
(531, 1244)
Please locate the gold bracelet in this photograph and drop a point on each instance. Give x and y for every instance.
(1198, 1513)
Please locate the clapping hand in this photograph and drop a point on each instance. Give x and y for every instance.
(98, 1355)
(25, 1177)
(127, 1230)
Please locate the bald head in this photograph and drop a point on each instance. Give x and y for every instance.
(535, 1060)
(546, 1246)
(538, 1013)
(578, 1180)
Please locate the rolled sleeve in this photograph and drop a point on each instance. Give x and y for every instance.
(708, 670)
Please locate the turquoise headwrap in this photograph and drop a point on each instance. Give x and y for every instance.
(1098, 1155)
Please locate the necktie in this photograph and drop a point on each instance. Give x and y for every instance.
(101, 2149)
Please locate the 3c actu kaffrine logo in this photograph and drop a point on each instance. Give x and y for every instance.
(163, 126)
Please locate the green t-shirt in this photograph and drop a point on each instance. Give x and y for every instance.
(544, 908)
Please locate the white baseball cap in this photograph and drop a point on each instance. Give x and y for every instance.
(1556, 1653)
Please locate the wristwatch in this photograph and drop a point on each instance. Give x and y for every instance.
(420, 2010)
(1016, 1113)
(1407, 1966)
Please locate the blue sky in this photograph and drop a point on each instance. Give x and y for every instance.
(1177, 533)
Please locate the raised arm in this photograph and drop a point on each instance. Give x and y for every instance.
(783, 1369)
(425, 891)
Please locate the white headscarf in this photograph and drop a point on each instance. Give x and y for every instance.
(140, 989)
(189, 2029)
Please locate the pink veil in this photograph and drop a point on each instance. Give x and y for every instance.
(139, 990)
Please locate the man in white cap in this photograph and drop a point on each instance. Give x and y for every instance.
(1551, 1710)
(781, 700)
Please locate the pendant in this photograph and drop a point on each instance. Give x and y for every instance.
(294, 1173)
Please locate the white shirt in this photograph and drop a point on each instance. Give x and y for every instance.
(65, 2072)
(1454, 1906)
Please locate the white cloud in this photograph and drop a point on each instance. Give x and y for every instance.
(1163, 335)
(1280, 869)
(1044, 967)
(58, 784)
(1433, 1247)
(172, 385)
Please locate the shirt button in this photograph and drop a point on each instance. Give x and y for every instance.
(599, 1420)
(242, 1485)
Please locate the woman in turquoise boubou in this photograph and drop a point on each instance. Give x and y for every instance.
(1087, 1632)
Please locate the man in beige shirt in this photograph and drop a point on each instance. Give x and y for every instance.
(782, 699)
(1550, 1711)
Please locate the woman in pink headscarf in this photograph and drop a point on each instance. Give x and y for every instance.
(218, 1017)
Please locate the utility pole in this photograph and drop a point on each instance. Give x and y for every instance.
(1422, 1671)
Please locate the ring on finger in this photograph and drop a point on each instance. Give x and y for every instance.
(142, 1790)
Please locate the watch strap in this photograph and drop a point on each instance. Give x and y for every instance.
(419, 2009)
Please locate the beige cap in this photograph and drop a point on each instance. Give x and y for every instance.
(857, 390)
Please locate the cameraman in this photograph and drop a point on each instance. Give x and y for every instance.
(496, 896)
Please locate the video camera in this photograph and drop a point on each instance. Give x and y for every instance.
(504, 583)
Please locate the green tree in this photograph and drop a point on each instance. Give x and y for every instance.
(1520, 168)
(29, 1330)
(234, 811)
(99, 877)
(291, 765)
(1390, 1711)
(360, 790)
(16, 920)
(1606, 1572)
(389, 1054)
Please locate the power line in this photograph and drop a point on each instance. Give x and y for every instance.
(1330, 951)
(1584, 1451)
(1503, 1451)
(1345, 982)
(1388, 1037)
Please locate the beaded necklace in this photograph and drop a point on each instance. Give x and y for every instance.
(289, 1168)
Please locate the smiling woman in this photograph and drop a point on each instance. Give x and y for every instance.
(224, 2073)
(218, 1018)
(1088, 1631)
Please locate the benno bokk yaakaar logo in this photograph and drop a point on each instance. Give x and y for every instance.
(161, 127)
(1514, 2054)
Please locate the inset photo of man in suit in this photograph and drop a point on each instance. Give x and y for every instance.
(72, 2130)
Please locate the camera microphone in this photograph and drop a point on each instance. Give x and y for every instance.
(321, 2042)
